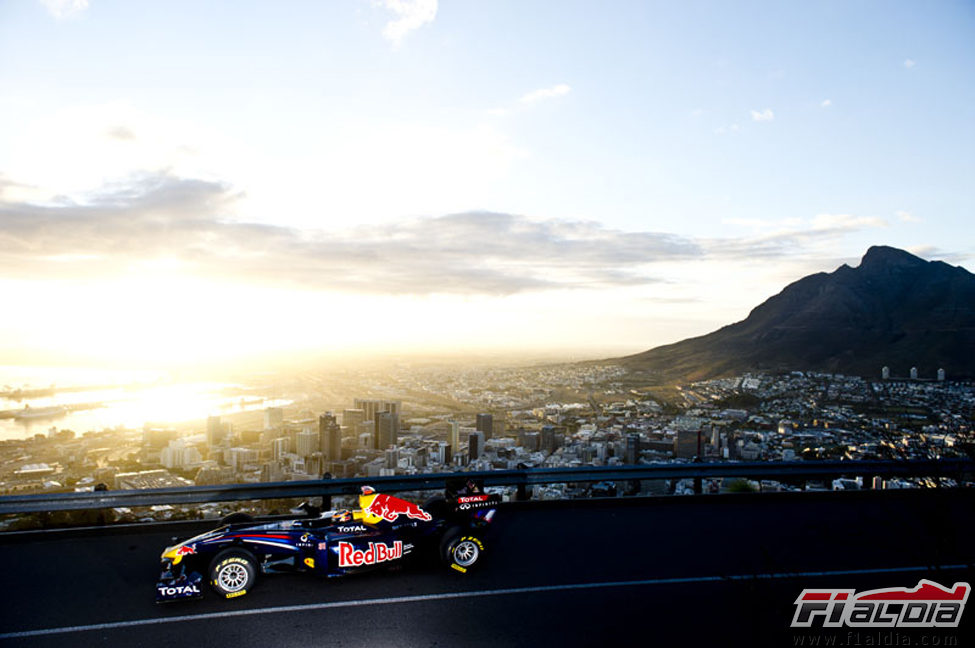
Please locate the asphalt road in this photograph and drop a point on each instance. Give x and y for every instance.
(709, 571)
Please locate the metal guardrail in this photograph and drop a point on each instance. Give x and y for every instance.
(801, 470)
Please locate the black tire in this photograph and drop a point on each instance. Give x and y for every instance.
(462, 550)
(233, 572)
(237, 518)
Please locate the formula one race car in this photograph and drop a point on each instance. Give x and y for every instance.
(381, 533)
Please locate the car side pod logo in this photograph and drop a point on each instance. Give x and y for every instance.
(390, 508)
(929, 605)
(377, 552)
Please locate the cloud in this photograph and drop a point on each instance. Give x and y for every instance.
(183, 223)
(909, 63)
(6, 185)
(826, 103)
(762, 116)
(932, 253)
(845, 222)
(61, 9)
(411, 15)
(526, 101)
(541, 94)
(790, 237)
(121, 133)
(907, 217)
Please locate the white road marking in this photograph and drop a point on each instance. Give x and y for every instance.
(393, 600)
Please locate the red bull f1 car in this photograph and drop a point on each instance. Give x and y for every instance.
(382, 532)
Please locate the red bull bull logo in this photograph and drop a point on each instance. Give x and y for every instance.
(389, 508)
(185, 550)
(349, 556)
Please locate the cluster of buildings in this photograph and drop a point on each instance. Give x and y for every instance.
(791, 417)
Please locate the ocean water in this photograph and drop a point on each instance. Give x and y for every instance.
(82, 399)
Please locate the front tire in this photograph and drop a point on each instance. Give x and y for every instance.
(233, 573)
(462, 550)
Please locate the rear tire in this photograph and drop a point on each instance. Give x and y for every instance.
(462, 550)
(233, 572)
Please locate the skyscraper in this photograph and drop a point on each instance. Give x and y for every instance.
(280, 447)
(632, 448)
(454, 438)
(373, 410)
(548, 443)
(370, 407)
(475, 445)
(352, 417)
(307, 442)
(529, 440)
(315, 464)
(688, 443)
(330, 437)
(214, 431)
(387, 429)
(273, 417)
(485, 424)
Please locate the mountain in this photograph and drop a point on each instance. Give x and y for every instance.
(894, 309)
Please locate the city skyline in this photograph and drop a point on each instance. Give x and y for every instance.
(183, 184)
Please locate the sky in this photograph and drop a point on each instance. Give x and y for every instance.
(188, 182)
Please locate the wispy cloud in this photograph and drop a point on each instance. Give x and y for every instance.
(160, 217)
(61, 9)
(411, 15)
(186, 224)
(762, 115)
(845, 222)
(6, 184)
(909, 63)
(526, 101)
(541, 94)
(791, 237)
(121, 133)
(722, 130)
(907, 217)
(932, 253)
(826, 103)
